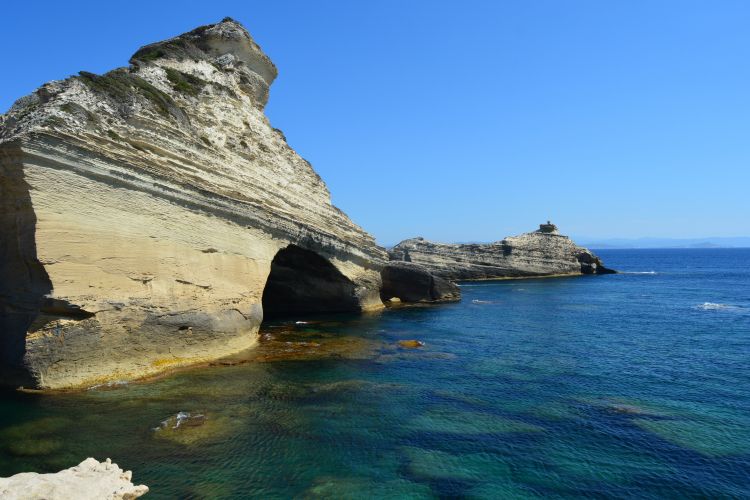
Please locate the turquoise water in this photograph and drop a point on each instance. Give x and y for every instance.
(634, 385)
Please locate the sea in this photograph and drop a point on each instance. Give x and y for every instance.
(632, 385)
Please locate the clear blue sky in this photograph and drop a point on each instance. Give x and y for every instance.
(471, 120)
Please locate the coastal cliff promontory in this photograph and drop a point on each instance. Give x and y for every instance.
(544, 252)
(151, 216)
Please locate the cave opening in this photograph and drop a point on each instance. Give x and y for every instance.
(302, 282)
(24, 282)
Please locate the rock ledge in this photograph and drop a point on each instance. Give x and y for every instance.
(90, 479)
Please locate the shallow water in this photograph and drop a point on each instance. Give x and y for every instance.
(623, 386)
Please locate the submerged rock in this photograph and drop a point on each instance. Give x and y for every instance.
(628, 409)
(90, 479)
(38, 437)
(325, 346)
(150, 215)
(450, 421)
(544, 252)
(410, 344)
(334, 487)
(435, 465)
(192, 428)
(182, 419)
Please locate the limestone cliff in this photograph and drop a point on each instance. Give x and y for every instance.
(144, 211)
(544, 252)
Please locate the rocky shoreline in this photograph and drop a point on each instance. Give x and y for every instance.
(152, 218)
(89, 480)
(151, 214)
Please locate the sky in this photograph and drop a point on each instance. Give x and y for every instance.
(470, 120)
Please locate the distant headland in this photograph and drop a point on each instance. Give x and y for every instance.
(634, 243)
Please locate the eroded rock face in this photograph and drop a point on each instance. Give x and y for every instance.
(90, 479)
(540, 253)
(141, 211)
(410, 282)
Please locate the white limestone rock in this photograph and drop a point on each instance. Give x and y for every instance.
(544, 252)
(141, 211)
(89, 480)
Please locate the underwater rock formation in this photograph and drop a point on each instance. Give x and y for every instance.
(544, 252)
(143, 213)
(89, 480)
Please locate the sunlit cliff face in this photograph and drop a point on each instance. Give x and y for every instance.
(150, 202)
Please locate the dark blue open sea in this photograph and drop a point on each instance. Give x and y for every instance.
(634, 385)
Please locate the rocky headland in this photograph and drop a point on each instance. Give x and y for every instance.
(544, 252)
(151, 218)
(150, 215)
(89, 480)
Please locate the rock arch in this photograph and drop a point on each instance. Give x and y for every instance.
(303, 282)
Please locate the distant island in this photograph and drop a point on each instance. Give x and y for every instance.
(710, 242)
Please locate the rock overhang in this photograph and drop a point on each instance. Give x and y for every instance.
(157, 197)
(227, 39)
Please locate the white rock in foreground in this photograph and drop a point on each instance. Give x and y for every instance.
(90, 479)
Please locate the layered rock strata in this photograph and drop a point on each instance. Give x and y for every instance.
(144, 211)
(544, 252)
(90, 480)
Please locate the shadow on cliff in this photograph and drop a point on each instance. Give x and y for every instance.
(302, 282)
(24, 284)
